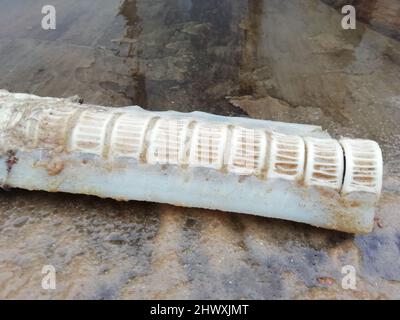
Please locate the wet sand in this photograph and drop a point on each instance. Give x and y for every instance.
(286, 61)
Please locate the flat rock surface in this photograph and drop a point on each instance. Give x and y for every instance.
(281, 60)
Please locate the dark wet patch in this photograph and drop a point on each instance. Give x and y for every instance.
(303, 254)
(195, 261)
(398, 241)
(236, 223)
(246, 278)
(117, 233)
(380, 255)
(254, 281)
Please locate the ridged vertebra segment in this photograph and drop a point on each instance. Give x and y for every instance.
(52, 126)
(128, 134)
(248, 151)
(363, 166)
(167, 143)
(286, 157)
(325, 163)
(208, 145)
(90, 132)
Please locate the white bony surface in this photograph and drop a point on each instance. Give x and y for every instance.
(286, 171)
(325, 163)
(364, 166)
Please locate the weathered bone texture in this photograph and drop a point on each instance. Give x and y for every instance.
(288, 171)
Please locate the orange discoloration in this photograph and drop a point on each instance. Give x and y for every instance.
(54, 166)
(326, 281)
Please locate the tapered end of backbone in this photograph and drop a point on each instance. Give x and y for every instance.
(348, 165)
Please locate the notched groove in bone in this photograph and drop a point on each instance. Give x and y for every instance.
(227, 148)
(109, 131)
(147, 138)
(188, 143)
(70, 126)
